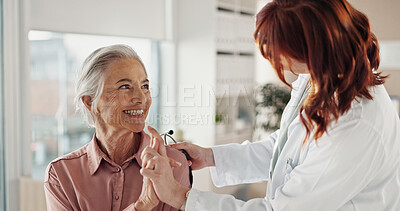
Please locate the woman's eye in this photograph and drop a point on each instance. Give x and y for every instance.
(125, 86)
(146, 86)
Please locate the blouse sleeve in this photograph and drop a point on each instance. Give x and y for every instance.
(181, 173)
(55, 196)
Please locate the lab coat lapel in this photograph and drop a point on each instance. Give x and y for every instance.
(284, 131)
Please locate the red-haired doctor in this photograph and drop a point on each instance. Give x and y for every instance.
(338, 147)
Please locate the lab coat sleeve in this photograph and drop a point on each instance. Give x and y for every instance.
(335, 170)
(242, 163)
(201, 200)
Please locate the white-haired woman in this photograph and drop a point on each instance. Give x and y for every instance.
(112, 93)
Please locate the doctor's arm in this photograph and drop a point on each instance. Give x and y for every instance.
(242, 163)
(229, 162)
(335, 170)
(169, 191)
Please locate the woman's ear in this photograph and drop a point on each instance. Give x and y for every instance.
(87, 100)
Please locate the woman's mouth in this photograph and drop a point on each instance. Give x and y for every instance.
(134, 112)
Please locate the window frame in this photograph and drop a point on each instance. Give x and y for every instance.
(2, 151)
(16, 137)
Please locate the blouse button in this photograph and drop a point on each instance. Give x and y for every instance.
(116, 197)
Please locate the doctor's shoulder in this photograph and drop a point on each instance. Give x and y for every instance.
(369, 122)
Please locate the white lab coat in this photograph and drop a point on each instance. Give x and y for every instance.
(355, 166)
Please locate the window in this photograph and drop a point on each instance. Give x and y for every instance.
(55, 57)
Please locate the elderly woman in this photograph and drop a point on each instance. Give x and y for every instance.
(113, 95)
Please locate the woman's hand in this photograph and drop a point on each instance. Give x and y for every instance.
(159, 170)
(200, 157)
(148, 198)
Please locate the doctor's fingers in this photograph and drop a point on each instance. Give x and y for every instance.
(193, 150)
(180, 145)
(159, 141)
(200, 156)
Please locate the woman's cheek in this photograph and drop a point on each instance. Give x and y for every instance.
(148, 103)
(119, 97)
(149, 100)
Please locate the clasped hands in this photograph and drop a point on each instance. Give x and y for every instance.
(159, 183)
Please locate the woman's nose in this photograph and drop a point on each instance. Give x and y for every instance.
(138, 96)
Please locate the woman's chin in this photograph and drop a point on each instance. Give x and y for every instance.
(136, 128)
(134, 124)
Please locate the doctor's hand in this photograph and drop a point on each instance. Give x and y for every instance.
(201, 157)
(158, 167)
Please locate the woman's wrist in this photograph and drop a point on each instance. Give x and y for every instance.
(180, 197)
(210, 157)
(186, 197)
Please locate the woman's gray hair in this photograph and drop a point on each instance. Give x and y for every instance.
(90, 80)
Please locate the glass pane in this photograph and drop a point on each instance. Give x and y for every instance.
(56, 128)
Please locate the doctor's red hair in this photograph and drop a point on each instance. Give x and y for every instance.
(335, 42)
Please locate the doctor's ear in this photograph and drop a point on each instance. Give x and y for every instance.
(87, 100)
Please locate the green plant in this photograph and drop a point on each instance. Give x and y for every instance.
(271, 100)
(218, 118)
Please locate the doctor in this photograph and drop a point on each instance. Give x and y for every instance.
(339, 143)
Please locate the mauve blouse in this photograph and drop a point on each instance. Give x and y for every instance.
(87, 179)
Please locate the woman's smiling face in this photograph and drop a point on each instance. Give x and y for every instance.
(125, 101)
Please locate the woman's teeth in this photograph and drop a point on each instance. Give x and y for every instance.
(134, 112)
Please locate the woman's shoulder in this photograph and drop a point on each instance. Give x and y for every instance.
(182, 173)
(72, 155)
(64, 161)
